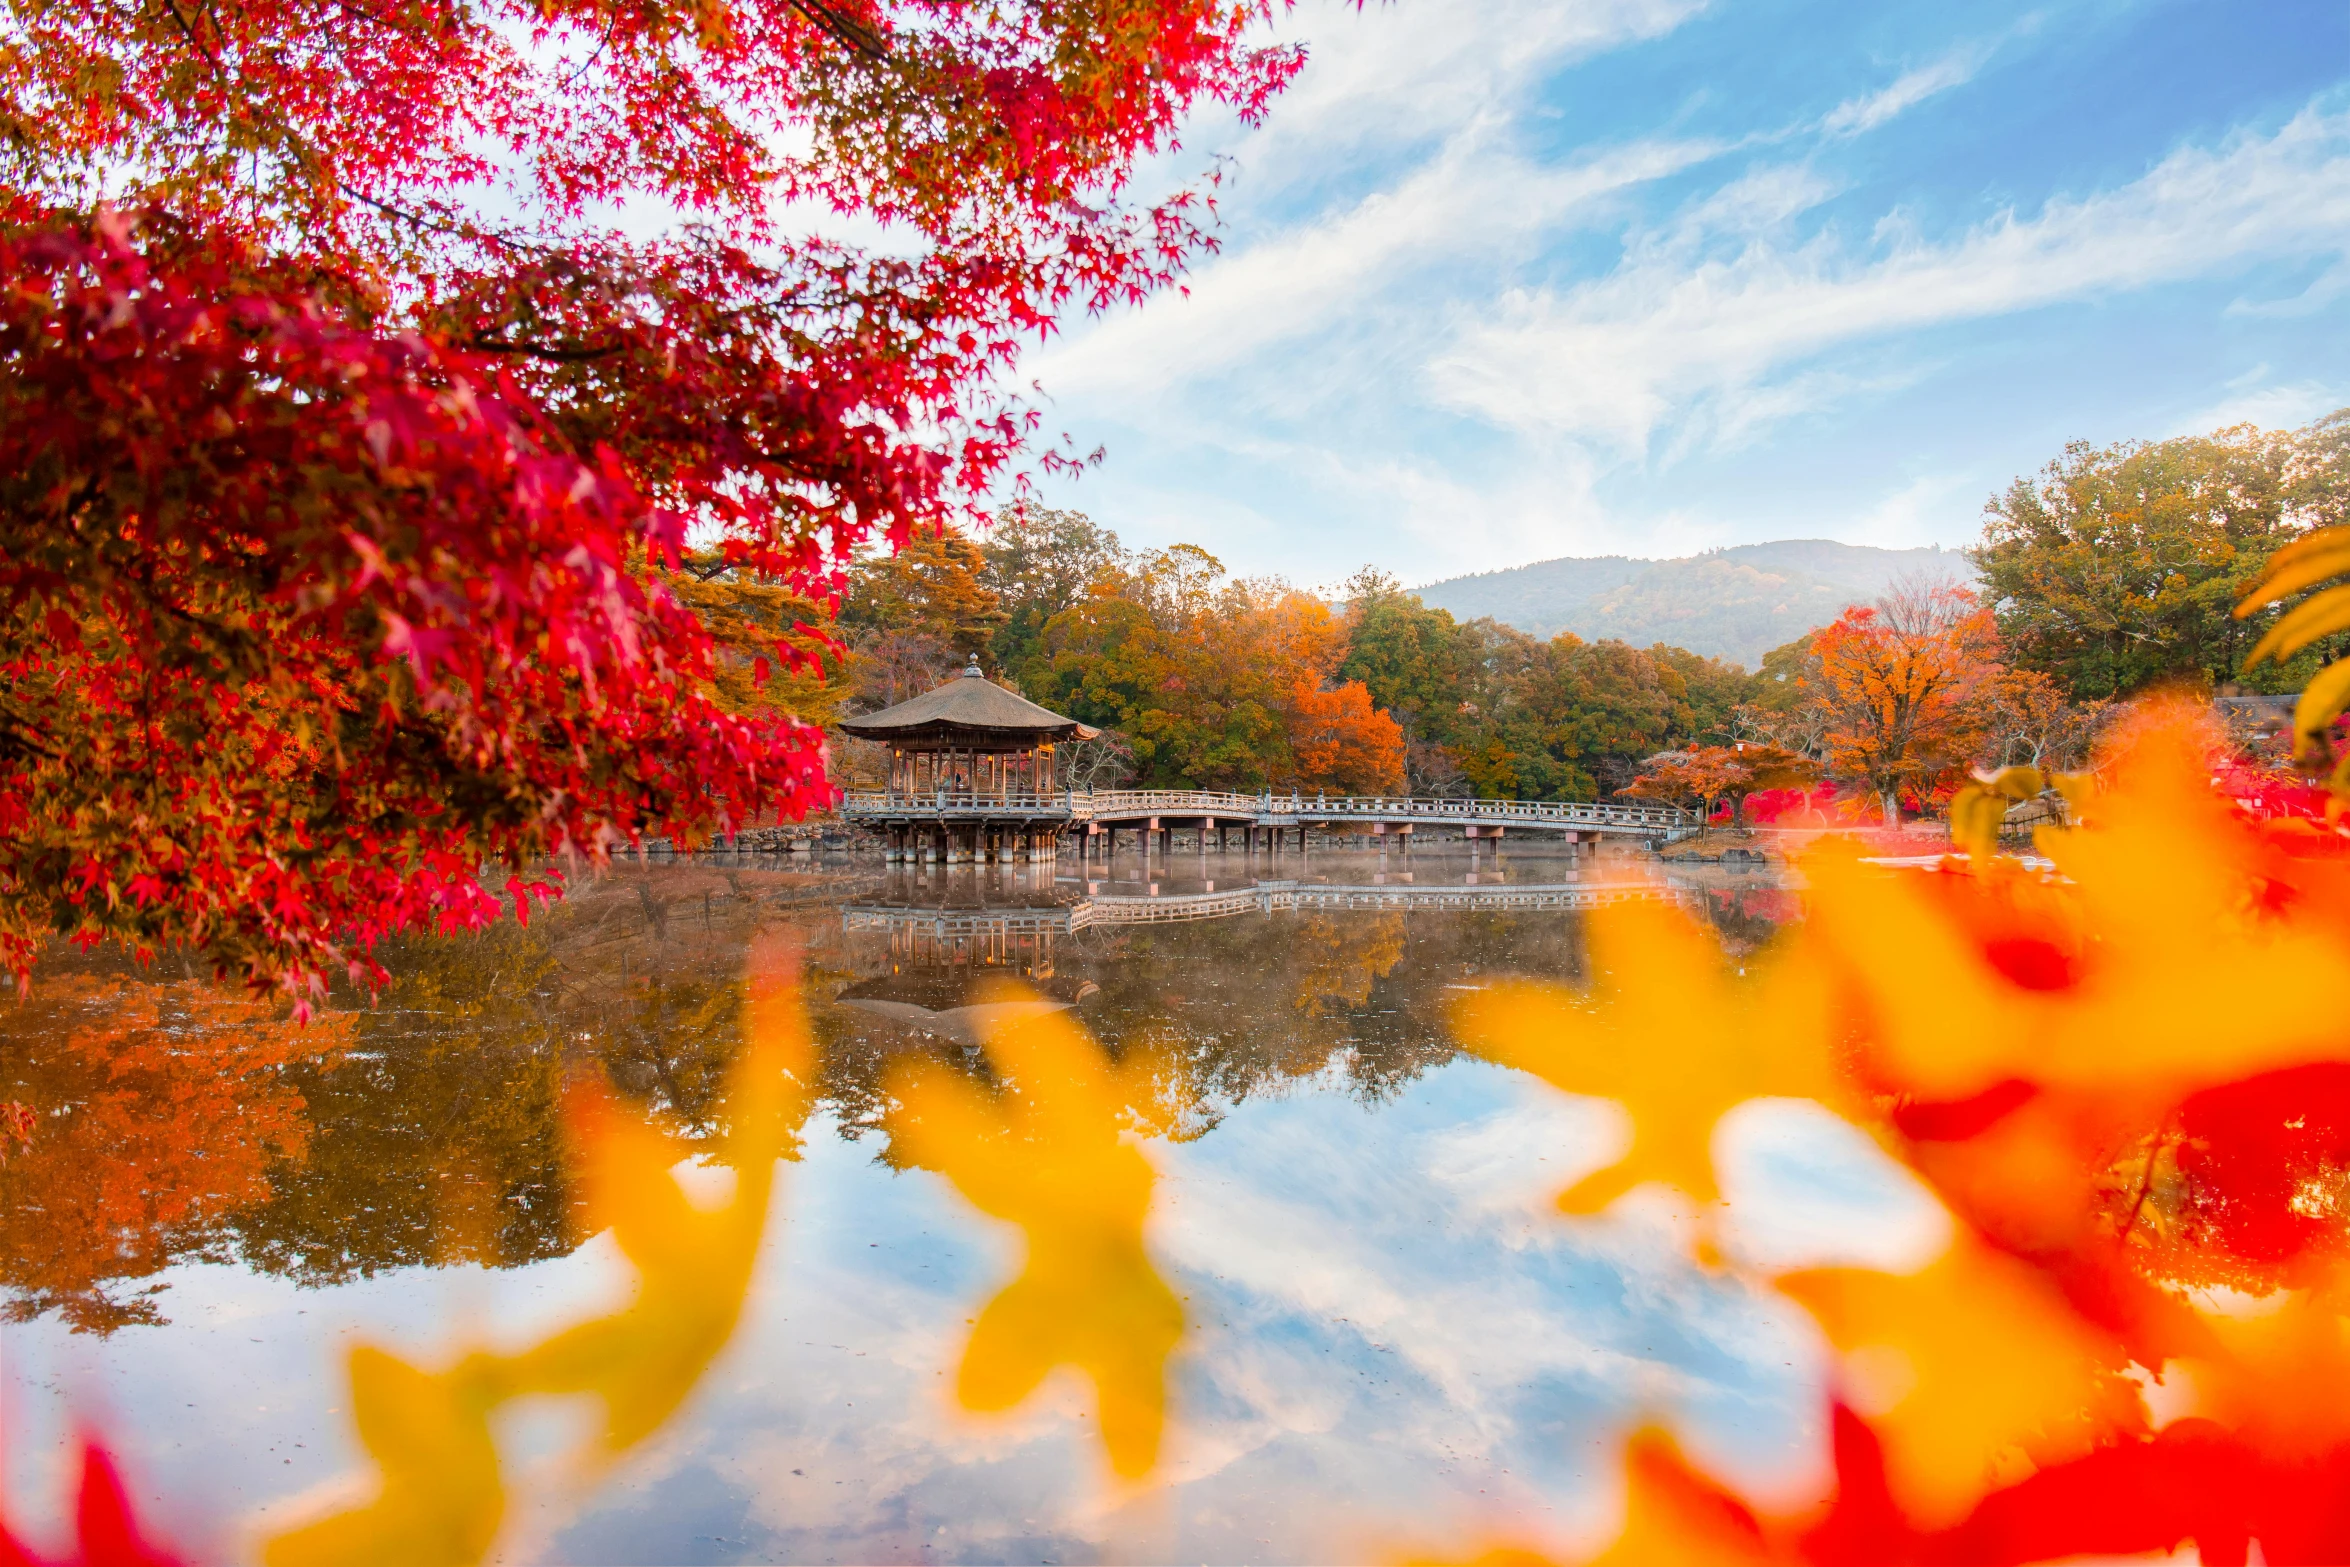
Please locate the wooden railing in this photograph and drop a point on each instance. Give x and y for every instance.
(1295, 806)
(899, 802)
(1288, 808)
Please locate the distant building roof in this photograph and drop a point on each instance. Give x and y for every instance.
(968, 711)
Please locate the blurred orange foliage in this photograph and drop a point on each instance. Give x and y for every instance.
(2127, 1078)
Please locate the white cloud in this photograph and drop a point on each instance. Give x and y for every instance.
(1680, 324)
(1937, 508)
(1326, 213)
(1473, 198)
(1388, 75)
(1866, 113)
(2284, 406)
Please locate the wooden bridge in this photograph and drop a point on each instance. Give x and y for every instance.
(952, 826)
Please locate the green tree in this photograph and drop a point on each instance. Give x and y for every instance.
(2118, 567)
(1039, 562)
(767, 661)
(1418, 664)
(936, 587)
(1571, 720)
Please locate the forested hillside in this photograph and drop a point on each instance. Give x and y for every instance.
(1734, 603)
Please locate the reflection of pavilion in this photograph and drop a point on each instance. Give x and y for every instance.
(949, 998)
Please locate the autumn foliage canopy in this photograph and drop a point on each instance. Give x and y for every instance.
(347, 439)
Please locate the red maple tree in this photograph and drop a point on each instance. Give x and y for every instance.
(337, 480)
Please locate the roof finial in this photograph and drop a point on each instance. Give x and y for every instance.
(971, 670)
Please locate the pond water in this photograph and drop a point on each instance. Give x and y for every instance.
(1394, 1339)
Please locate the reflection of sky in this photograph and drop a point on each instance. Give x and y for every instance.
(1393, 1339)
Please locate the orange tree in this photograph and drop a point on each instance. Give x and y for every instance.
(1900, 688)
(1707, 773)
(340, 461)
(1217, 683)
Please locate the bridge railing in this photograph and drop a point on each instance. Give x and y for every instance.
(1322, 807)
(1081, 805)
(884, 802)
(1173, 802)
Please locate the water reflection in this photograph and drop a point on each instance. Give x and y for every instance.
(1384, 1311)
(160, 1113)
(176, 1122)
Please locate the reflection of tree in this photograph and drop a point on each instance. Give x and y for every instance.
(436, 1139)
(173, 1121)
(1220, 1011)
(1748, 918)
(176, 1121)
(1342, 959)
(441, 1139)
(670, 1041)
(159, 1110)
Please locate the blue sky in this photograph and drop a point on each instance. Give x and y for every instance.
(1505, 280)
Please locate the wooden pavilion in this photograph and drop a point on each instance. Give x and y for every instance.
(971, 774)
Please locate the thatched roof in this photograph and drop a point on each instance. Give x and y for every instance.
(968, 711)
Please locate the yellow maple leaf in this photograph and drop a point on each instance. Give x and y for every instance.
(1963, 1369)
(1670, 1031)
(693, 1263)
(2182, 980)
(1046, 1155)
(441, 1496)
(440, 1500)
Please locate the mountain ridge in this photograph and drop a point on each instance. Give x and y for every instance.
(1737, 602)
